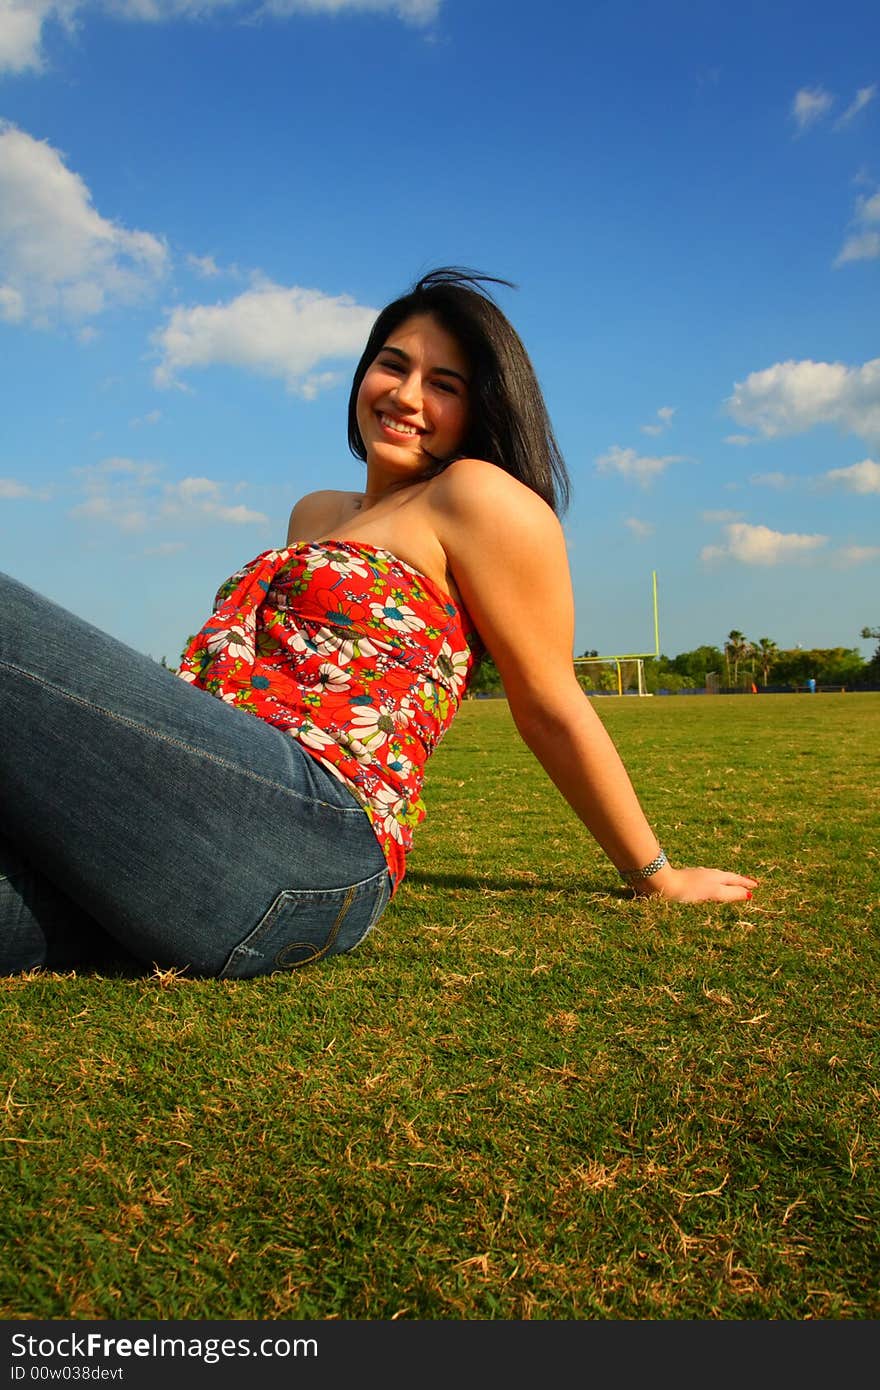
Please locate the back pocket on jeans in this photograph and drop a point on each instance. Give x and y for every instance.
(302, 926)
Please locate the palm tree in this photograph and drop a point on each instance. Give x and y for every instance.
(735, 648)
(766, 650)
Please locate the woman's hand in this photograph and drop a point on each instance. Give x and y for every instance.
(697, 886)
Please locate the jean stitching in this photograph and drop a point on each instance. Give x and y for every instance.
(243, 949)
(334, 930)
(178, 743)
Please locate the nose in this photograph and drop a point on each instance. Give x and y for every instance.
(408, 391)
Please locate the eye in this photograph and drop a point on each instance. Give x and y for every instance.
(446, 387)
(389, 364)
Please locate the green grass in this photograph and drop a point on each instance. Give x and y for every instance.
(528, 1096)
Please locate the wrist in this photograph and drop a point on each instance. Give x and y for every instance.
(648, 877)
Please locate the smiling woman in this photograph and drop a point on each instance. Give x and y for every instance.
(256, 814)
(506, 418)
(412, 404)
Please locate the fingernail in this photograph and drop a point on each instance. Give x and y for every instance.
(748, 893)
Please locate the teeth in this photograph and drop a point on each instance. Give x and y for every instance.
(397, 425)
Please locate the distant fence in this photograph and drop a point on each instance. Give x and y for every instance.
(721, 690)
(761, 690)
(772, 690)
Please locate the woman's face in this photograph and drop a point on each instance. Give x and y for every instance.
(413, 403)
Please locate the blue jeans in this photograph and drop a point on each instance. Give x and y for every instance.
(141, 818)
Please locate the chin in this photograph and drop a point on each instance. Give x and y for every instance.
(393, 456)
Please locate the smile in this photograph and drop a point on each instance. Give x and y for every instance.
(398, 426)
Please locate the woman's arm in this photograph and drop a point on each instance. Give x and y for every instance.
(507, 553)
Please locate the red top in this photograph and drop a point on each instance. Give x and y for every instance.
(354, 653)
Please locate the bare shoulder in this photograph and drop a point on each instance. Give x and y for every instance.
(477, 499)
(506, 551)
(316, 513)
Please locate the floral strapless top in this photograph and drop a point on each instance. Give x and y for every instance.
(354, 653)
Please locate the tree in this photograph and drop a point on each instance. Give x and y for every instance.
(827, 665)
(766, 651)
(660, 673)
(736, 647)
(871, 673)
(697, 664)
(486, 679)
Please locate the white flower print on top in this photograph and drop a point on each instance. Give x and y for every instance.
(237, 641)
(313, 737)
(391, 811)
(394, 613)
(331, 678)
(453, 664)
(342, 647)
(375, 724)
(339, 560)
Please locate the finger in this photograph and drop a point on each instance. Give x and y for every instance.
(736, 880)
(734, 893)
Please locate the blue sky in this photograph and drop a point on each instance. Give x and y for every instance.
(203, 205)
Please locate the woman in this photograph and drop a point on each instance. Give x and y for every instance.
(256, 814)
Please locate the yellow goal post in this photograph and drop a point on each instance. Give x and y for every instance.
(621, 660)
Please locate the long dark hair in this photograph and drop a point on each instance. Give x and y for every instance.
(509, 425)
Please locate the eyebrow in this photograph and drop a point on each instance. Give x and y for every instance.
(440, 371)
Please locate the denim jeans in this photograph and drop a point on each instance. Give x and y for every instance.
(143, 818)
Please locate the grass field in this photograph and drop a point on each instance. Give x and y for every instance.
(527, 1096)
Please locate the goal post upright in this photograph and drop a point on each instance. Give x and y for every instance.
(656, 615)
(639, 658)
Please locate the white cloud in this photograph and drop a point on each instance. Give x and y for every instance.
(132, 496)
(318, 381)
(237, 516)
(869, 208)
(194, 490)
(113, 511)
(863, 242)
(21, 26)
(204, 497)
(850, 555)
(11, 304)
(792, 397)
(861, 477)
(201, 497)
(640, 529)
(861, 246)
(59, 258)
(117, 493)
(741, 440)
(863, 96)
(663, 421)
(776, 480)
(411, 11)
(205, 266)
(269, 329)
(758, 545)
(810, 105)
(632, 465)
(22, 21)
(165, 548)
(11, 490)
